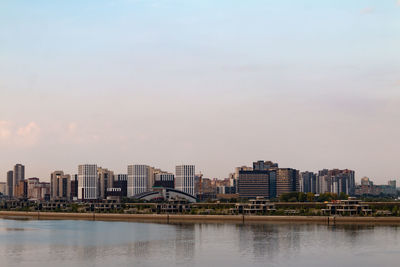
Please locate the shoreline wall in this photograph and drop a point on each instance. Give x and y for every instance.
(176, 218)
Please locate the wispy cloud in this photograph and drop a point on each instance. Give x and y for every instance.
(5, 131)
(367, 10)
(25, 136)
(28, 134)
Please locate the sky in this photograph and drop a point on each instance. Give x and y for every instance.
(309, 84)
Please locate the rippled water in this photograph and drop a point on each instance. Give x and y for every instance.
(94, 243)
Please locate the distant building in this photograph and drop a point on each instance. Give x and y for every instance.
(121, 177)
(38, 190)
(184, 178)
(264, 165)
(392, 183)
(122, 186)
(253, 183)
(60, 185)
(10, 184)
(87, 182)
(337, 181)
(365, 181)
(74, 186)
(308, 182)
(21, 189)
(164, 179)
(138, 179)
(3, 188)
(287, 180)
(105, 180)
(18, 175)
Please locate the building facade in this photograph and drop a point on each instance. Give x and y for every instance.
(106, 180)
(287, 181)
(87, 182)
(308, 182)
(3, 188)
(164, 179)
(138, 179)
(60, 185)
(338, 181)
(10, 185)
(254, 183)
(184, 178)
(18, 175)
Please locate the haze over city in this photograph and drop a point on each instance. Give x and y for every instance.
(218, 84)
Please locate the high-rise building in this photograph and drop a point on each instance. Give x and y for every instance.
(60, 185)
(287, 180)
(392, 183)
(308, 182)
(138, 179)
(184, 178)
(264, 165)
(119, 189)
(10, 185)
(3, 188)
(338, 181)
(19, 175)
(106, 180)
(74, 186)
(87, 181)
(121, 177)
(235, 176)
(21, 189)
(366, 181)
(253, 183)
(37, 190)
(164, 179)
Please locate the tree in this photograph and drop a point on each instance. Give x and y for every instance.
(310, 197)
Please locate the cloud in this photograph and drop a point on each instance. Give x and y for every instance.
(398, 2)
(26, 135)
(29, 134)
(367, 10)
(5, 131)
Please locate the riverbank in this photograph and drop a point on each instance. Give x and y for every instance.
(180, 218)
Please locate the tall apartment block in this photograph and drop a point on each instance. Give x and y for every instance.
(254, 183)
(18, 175)
(10, 185)
(336, 181)
(87, 181)
(287, 180)
(184, 178)
(3, 188)
(74, 186)
(60, 185)
(138, 179)
(106, 180)
(164, 179)
(121, 177)
(308, 182)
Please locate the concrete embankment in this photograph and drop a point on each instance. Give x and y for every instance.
(179, 218)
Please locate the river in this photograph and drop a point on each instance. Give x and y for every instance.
(95, 243)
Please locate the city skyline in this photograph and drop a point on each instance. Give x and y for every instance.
(155, 169)
(308, 84)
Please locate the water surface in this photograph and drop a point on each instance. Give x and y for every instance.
(94, 243)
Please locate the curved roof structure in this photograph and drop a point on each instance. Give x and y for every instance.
(165, 193)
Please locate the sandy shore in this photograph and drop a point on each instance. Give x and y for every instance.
(177, 218)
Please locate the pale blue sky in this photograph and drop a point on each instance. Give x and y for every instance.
(309, 84)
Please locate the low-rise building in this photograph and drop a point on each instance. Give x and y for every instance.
(351, 206)
(258, 205)
(174, 206)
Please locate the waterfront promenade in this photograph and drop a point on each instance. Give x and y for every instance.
(181, 218)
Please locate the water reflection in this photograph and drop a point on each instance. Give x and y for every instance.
(115, 243)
